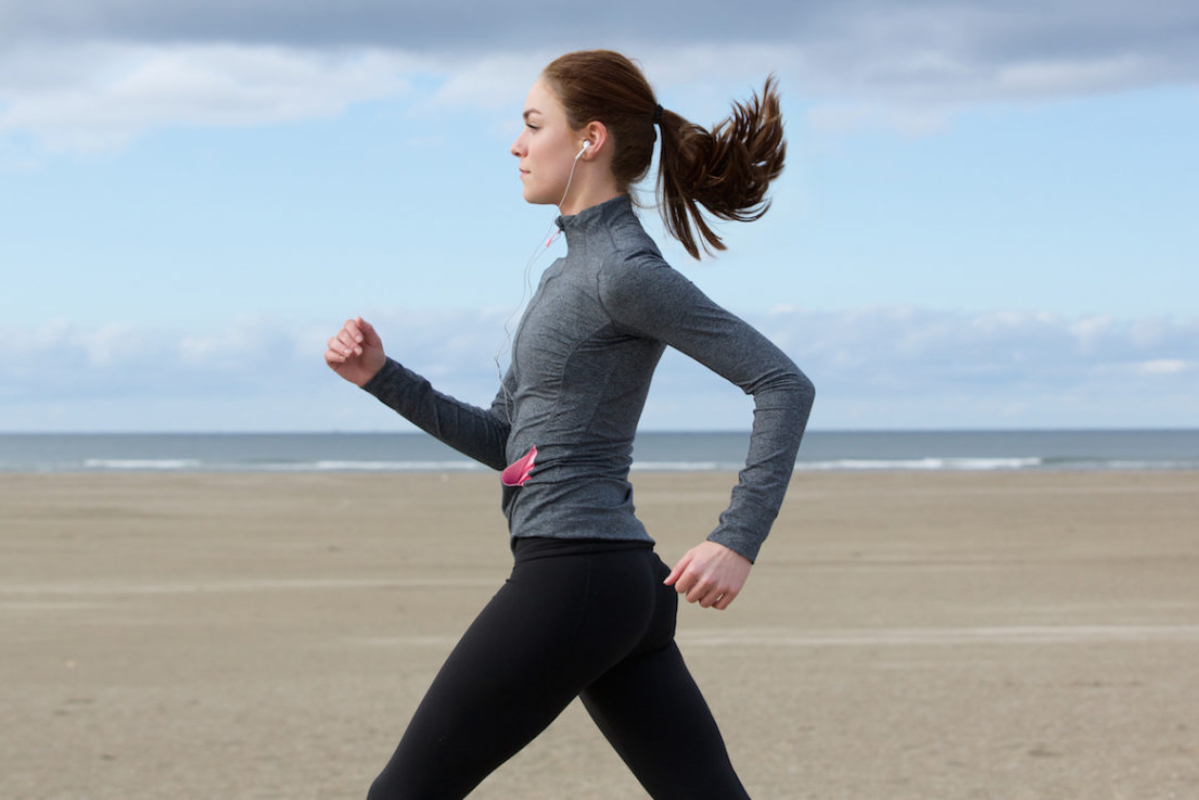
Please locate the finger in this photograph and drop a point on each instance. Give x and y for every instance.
(369, 335)
(719, 598)
(699, 590)
(349, 345)
(723, 601)
(678, 570)
(710, 597)
(350, 332)
(334, 352)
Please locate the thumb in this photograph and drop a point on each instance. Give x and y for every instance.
(678, 570)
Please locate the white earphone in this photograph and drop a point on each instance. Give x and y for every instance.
(582, 150)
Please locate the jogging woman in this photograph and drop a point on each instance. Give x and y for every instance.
(589, 609)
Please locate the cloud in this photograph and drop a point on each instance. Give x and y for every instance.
(1018, 27)
(907, 347)
(80, 74)
(1166, 366)
(888, 367)
(116, 91)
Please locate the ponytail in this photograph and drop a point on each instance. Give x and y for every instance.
(726, 171)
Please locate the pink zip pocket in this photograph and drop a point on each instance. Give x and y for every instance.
(516, 473)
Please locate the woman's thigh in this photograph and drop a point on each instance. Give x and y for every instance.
(552, 629)
(652, 713)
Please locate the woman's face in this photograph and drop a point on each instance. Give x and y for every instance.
(546, 146)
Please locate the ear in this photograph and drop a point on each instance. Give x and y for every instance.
(596, 133)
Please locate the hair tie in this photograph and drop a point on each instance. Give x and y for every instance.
(658, 115)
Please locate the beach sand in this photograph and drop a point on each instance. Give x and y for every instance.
(904, 635)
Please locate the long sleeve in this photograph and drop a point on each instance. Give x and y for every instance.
(479, 433)
(648, 298)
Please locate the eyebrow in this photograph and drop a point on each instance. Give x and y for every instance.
(530, 111)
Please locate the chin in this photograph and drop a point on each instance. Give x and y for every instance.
(532, 198)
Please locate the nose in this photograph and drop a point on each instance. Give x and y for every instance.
(517, 148)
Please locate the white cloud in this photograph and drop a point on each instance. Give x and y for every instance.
(1059, 76)
(100, 96)
(91, 75)
(105, 347)
(878, 367)
(838, 118)
(489, 82)
(1165, 366)
(248, 346)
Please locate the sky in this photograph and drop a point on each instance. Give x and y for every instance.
(987, 218)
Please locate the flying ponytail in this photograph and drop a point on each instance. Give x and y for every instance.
(725, 171)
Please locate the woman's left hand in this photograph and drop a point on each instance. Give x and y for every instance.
(710, 574)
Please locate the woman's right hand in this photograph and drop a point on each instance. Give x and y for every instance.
(355, 352)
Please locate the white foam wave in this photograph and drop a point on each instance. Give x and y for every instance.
(143, 463)
(685, 466)
(927, 463)
(321, 465)
(1135, 466)
(924, 463)
(391, 466)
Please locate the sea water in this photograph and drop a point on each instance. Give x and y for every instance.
(700, 451)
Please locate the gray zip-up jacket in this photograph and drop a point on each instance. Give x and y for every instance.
(561, 427)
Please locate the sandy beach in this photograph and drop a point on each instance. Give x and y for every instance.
(904, 635)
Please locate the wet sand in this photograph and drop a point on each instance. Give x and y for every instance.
(904, 635)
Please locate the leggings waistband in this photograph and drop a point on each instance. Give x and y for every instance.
(527, 548)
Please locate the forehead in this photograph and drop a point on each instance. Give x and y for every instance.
(542, 100)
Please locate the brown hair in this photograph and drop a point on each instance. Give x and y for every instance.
(726, 170)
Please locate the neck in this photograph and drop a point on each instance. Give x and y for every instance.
(588, 189)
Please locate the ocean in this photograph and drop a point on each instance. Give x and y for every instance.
(706, 451)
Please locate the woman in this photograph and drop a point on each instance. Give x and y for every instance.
(589, 609)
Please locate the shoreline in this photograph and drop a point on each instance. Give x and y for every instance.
(398, 452)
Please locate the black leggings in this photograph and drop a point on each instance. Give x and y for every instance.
(585, 619)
